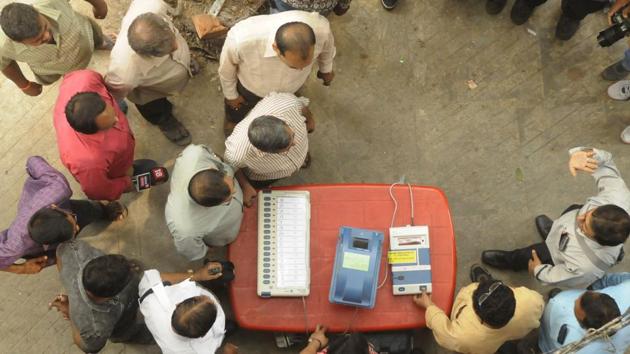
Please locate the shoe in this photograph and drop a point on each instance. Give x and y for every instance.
(479, 274)
(175, 132)
(620, 90)
(625, 135)
(521, 12)
(543, 225)
(496, 259)
(389, 4)
(566, 27)
(615, 72)
(493, 7)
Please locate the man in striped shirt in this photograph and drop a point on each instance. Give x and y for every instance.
(271, 142)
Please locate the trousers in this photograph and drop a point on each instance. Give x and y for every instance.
(575, 9)
(157, 111)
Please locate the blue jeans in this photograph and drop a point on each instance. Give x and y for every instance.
(625, 62)
(610, 279)
(283, 6)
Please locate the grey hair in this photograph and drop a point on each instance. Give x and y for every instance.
(150, 35)
(269, 134)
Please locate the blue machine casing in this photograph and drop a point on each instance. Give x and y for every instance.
(357, 266)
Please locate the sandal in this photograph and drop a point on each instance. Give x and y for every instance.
(115, 211)
(175, 132)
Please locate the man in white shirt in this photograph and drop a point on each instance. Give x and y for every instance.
(149, 62)
(272, 53)
(272, 141)
(183, 317)
(205, 205)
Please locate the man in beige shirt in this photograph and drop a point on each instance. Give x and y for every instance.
(272, 53)
(271, 142)
(149, 62)
(485, 315)
(51, 38)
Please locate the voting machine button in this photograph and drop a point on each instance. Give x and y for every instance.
(267, 231)
(267, 215)
(266, 259)
(402, 288)
(266, 276)
(267, 209)
(266, 271)
(423, 288)
(266, 243)
(266, 265)
(267, 254)
(267, 220)
(267, 237)
(265, 281)
(266, 248)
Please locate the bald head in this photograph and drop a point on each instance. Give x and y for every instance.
(208, 188)
(194, 317)
(150, 35)
(296, 38)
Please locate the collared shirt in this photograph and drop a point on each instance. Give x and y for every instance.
(248, 55)
(95, 322)
(258, 165)
(157, 308)
(73, 47)
(143, 79)
(43, 186)
(195, 227)
(572, 268)
(317, 5)
(100, 161)
(559, 312)
(464, 332)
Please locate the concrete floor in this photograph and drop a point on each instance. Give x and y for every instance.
(400, 105)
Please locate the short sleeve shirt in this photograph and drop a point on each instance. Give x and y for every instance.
(73, 47)
(95, 322)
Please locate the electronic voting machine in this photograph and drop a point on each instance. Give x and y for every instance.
(410, 259)
(357, 264)
(283, 243)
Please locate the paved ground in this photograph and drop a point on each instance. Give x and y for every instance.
(400, 105)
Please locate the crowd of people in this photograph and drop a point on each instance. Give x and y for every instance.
(264, 62)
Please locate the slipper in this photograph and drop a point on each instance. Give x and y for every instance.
(108, 42)
(115, 211)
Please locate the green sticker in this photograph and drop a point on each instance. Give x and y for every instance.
(356, 261)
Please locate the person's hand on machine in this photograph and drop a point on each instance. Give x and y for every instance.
(423, 300)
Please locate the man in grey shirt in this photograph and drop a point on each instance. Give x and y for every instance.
(102, 299)
(205, 206)
(586, 240)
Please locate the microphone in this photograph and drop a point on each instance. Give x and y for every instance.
(154, 177)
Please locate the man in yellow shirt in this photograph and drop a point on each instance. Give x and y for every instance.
(486, 314)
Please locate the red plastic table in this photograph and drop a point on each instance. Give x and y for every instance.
(359, 205)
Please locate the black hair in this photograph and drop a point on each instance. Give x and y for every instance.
(106, 276)
(611, 225)
(208, 188)
(20, 21)
(82, 110)
(269, 134)
(599, 309)
(49, 226)
(355, 343)
(295, 37)
(150, 35)
(194, 317)
(498, 308)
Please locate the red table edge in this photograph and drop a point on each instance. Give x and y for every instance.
(369, 329)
